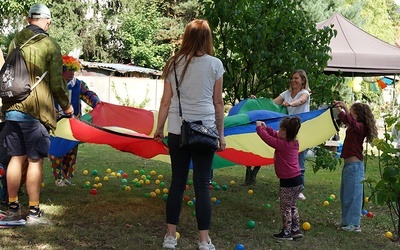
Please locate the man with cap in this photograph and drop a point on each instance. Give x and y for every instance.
(29, 122)
(64, 167)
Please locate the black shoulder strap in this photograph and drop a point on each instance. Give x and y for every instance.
(178, 92)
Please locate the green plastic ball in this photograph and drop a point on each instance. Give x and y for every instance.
(95, 172)
(251, 224)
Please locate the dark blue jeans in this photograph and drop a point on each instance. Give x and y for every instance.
(181, 159)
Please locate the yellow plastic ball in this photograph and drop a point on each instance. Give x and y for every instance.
(108, 170)
(165, 190)
(87, 182)
(153, 194)
(99, 185)
(141, 182)
(136, 172)
(152, 172)
(178, 235)
(118, 174)
(158, 191)
(147, 182)
(332, 196)
(112, 173)
(326, 203)
(128, 188)
(42, 185)
(95, 185)
(157, 182)
(388, 235)
(250, 192)
(105, 178)
(160, 177)
(135, 180)
(143, 177)
(213, 199)
(366, 199)
(85, 172)
(96, 179)
(232, 182)
(306, 226)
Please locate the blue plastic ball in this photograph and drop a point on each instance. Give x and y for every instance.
(364, 212)
(239, 247)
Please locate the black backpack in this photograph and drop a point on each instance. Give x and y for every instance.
(15, 81)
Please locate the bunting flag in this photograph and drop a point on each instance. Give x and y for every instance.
(131, 130)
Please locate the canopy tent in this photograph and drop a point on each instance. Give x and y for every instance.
(358, 53)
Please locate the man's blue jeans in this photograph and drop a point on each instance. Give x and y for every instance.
(351, 192)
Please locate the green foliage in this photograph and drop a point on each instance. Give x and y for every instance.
(261, 42)
(324, 159)
(386, 190)
(127, 100)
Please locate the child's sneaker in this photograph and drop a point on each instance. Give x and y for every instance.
(282, 236)
(296, 234)
(10, 215)
(37, 219)
(68, 182)
(60, 183)
(170, 242)
(352, 228)
(302, 197)
(206, 245)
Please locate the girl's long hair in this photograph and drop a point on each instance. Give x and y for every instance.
(292, 126)
(364, 115)
(197, 40)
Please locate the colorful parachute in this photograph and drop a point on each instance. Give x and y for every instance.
(131, 130)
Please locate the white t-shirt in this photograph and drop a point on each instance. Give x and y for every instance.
(305, 107)
(196, 91)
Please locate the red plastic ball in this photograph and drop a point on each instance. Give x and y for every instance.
(370, 215)
(93, 192)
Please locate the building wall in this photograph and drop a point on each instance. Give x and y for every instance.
(136, 89)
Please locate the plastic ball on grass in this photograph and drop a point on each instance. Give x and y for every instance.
(250, 192)
(124, 181)
(157, 182)
(232, 183)
(105, 178)
(142, 172)
(326, 203)
(389, 235)
(118, 174)
(128, 188)
(95, 185)
(152, 172)
(99, 185)
(153, 194)
(157, 191)
(366, 199)
(2, 171)
(370, 215)
(162, 184)
(43, 185)
(190, 182)
(138, 184)
(213, 199)
(224, 187)
(330, 199)
(147, 182)
(306, 226)
(217, 202)
(190, 203)
(112, 174)
(97, 179)
(178, 235)
(364, 212)
(147, 195)
(95, 172)
(217, 187)
(332, 196)
(85, 172)
(160, 177)
(93, 192)
(136, 172)
(125, 175)
(251, 224)
(268, 205)
(186, 198)
(108, 170)
(239, 247)
(165, 190)
(187, 187)
(165, 196)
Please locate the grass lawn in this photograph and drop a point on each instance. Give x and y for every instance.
(120, 219)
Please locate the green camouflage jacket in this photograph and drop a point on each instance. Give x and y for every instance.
(41, 54)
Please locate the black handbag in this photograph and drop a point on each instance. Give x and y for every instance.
(195, 134)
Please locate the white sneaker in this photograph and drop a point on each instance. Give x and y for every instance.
(302, 197)
(206, 245)
(60, 183)
(68, 182)
(170, 242)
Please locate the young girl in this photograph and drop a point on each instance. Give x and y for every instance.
(288, 171)
(360, 124)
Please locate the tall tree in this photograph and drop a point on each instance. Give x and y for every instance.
(262, 42)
